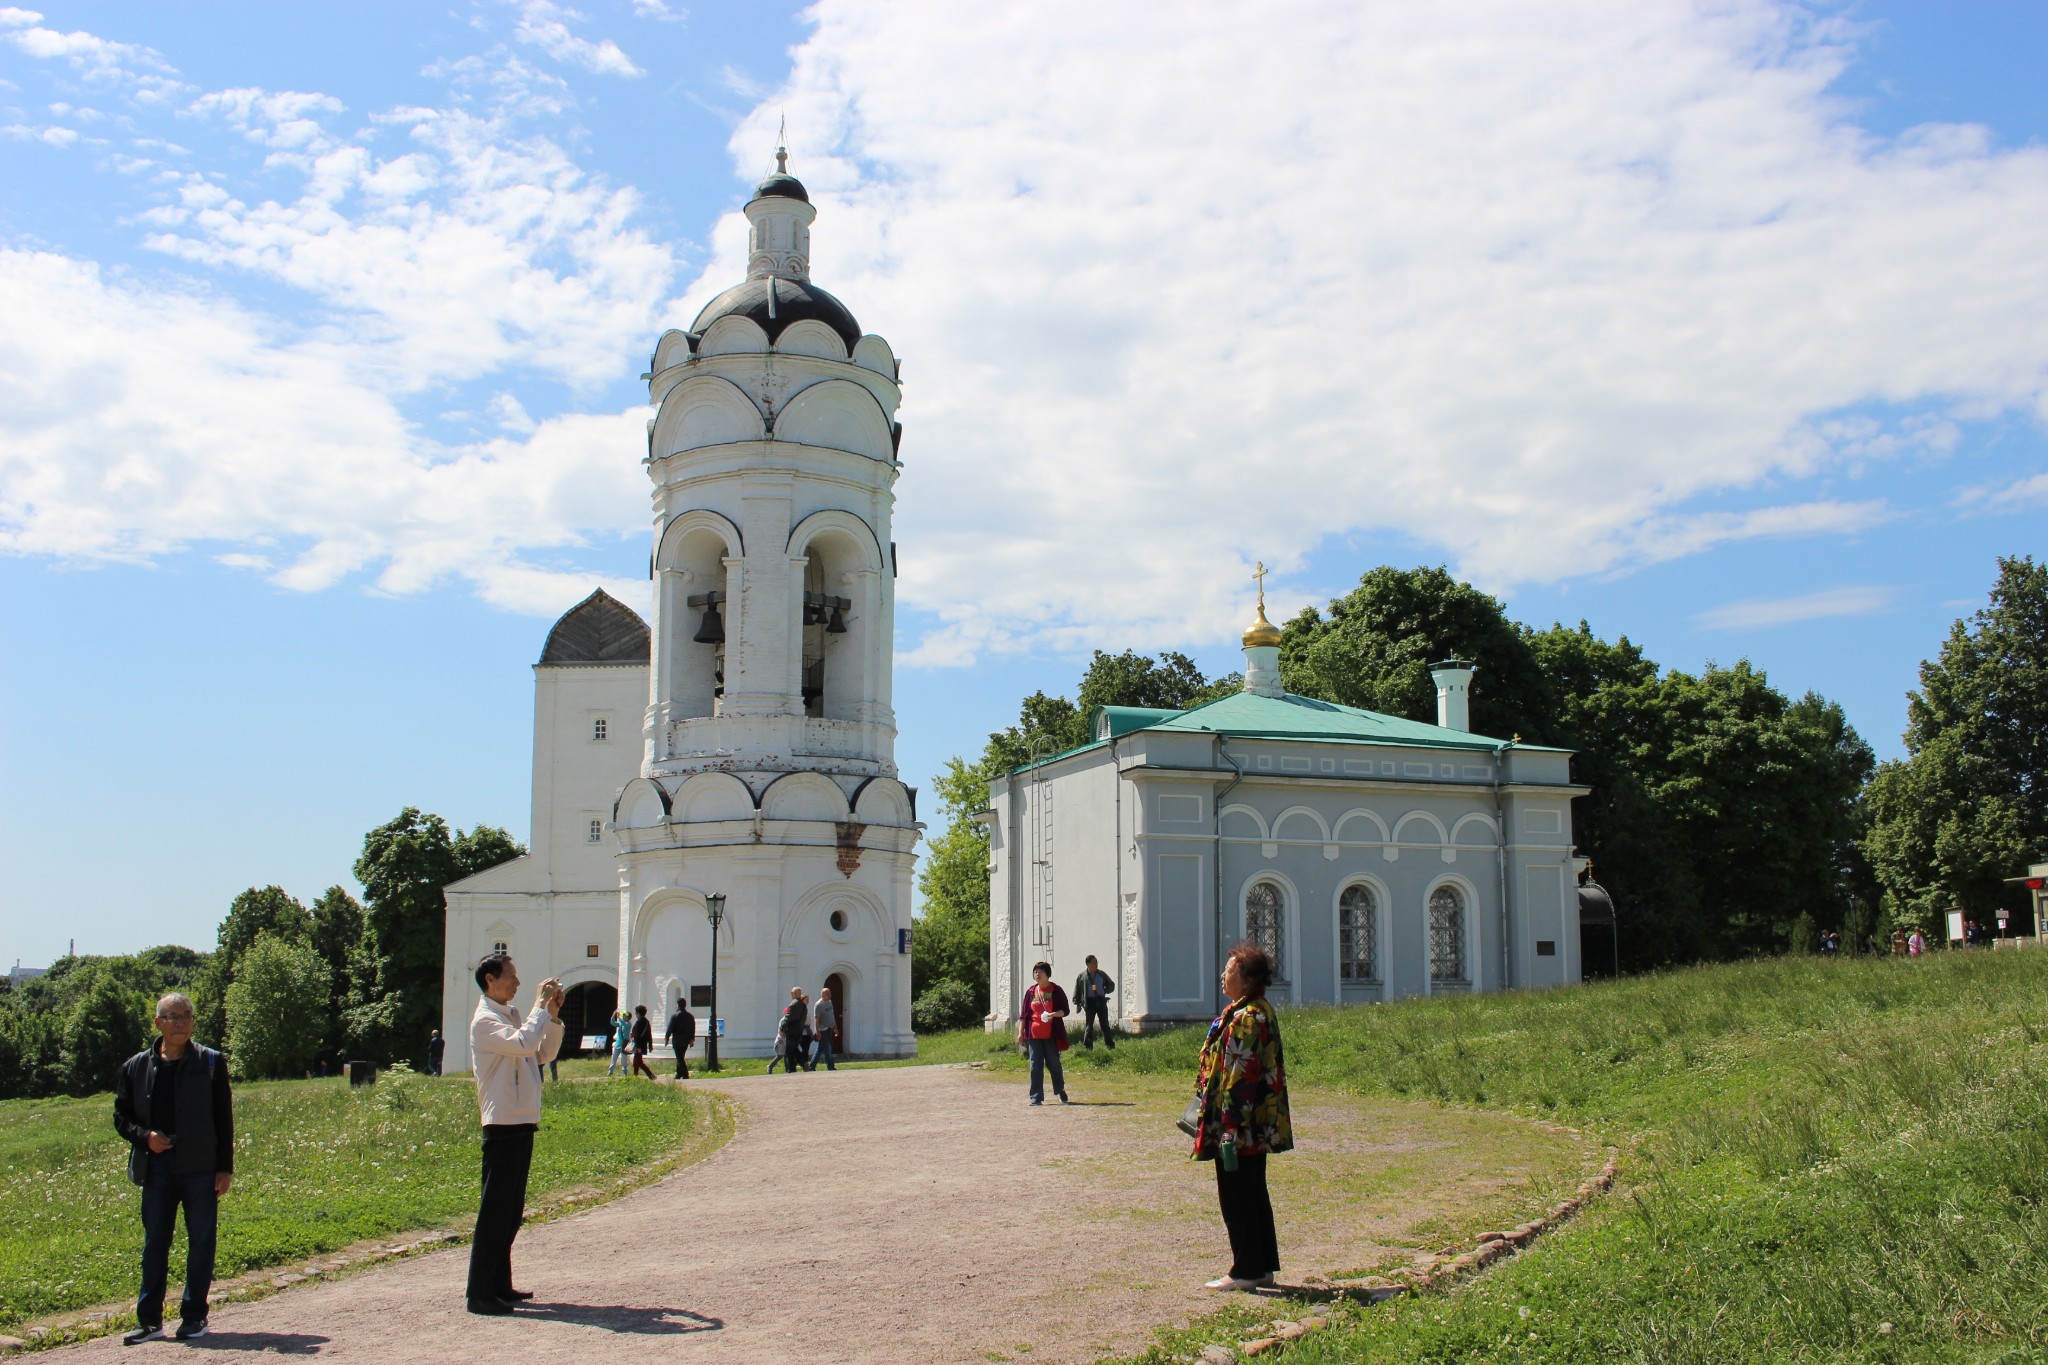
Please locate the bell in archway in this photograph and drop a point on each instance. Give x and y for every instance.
(712, 630)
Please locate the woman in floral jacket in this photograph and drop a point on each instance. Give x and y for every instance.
(1242, 1081)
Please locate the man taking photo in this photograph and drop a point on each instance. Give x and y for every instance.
(172, 1103)
(508, 1053)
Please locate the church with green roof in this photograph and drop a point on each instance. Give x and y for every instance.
(1377, 858)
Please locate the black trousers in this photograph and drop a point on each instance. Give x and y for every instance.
(1093, 1010)
(682, 1063)
(508, 1156)
(1248, 1216)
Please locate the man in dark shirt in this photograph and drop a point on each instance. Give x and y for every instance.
(1092, 989)
(437, 1048)
(172, 1103)
(682, 1031)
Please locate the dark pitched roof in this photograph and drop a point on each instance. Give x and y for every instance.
(598, 630)
(774, 303)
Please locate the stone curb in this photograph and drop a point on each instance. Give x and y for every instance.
(1436, 1273)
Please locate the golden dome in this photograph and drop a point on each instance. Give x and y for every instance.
(1261, 631)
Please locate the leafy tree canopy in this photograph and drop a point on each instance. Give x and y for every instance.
(403, 867)
(275, 1008)
(1968, 806)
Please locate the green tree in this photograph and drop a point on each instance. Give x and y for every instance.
(276, 1007)
(404, 865)
(259, 910)
(1373, 647)
(106, 1027)
(340, 933)
(1968, 805)
(951, 944)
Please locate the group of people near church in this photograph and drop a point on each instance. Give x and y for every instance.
(1238, 1115)
(174, 1105)
(805, 1034)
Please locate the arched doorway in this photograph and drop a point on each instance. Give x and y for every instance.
(586, 1008)
(837, 981)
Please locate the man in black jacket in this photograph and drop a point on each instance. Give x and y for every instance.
(1092, 989)
(682, 1031)
(172, 1103)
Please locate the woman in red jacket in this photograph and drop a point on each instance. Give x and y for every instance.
(1042, 1029)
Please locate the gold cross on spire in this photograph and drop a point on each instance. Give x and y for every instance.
(782, 146)
(1260, 577)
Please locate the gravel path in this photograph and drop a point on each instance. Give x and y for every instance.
(892, 1216)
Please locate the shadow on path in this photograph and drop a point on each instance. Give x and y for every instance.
(276, 1343)
(654, 1322)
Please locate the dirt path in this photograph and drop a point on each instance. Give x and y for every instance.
(922, 1214)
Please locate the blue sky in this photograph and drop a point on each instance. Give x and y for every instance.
(320, 328)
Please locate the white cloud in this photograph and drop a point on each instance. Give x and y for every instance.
(1784, 611)
(1528, 282)
(220, 430)
(545, 25)
(478, 249)
(2017, 495)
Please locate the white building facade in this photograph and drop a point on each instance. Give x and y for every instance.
(765, 767)
(1379, 858)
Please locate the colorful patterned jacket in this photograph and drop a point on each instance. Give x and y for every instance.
(1243, 1082)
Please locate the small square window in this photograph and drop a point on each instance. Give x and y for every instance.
(700, 997)
(1546, 947)
(501, 947)
(596, 835)
(590, 950)
(597, 728)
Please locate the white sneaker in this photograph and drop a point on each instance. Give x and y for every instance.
(1228, 1282)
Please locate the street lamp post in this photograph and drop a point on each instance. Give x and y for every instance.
(714, 908)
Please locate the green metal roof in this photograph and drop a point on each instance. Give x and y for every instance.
(1252, 716)
(1124, 719)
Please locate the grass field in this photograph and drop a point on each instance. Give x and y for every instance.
(1827, 1161)
(318, 1167)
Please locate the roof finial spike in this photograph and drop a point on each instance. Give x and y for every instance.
(782, 146)
(1260, 577)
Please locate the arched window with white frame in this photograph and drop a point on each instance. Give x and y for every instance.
(1265, 917)
(1447, 937)
(1358, 924)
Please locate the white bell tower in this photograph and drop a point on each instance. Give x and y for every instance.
(769, 772)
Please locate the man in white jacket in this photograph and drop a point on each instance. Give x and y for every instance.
(508, 1054)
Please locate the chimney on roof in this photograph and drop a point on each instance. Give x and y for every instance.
(1453, 679)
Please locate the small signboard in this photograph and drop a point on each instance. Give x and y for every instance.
(597, 1042)
(719, 1026)
(1955, 926)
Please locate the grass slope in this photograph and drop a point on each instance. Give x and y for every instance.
(1827, 1161)
(318, 1167)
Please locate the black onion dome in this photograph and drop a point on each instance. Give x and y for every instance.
(793, 301)
(782, 185)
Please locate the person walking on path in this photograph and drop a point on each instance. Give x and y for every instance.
(621, 1034)
(825, 1022)
(1242, 1084)
(1042, 1030)
(507, 1052)
(437, 1048)
(173, 1104)
(794, 1016)
(643, 1043)
(1092, 989)
(682, 1031)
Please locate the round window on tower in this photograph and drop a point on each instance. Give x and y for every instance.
(838, 921)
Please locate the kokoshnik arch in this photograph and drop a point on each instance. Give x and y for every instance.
(764, 767)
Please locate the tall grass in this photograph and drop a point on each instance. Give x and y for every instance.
(1827, 1160)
